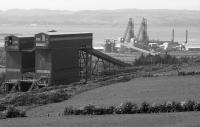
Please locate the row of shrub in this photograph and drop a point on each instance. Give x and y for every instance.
(132, 108)
(11, 112)
(182, 73)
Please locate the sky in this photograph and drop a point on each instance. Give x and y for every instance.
(75, 5)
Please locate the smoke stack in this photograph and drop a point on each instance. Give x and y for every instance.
(172, 35)
(186, 36)
(131, 30)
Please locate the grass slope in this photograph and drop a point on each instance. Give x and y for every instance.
(156, 90)
(141, 89)
(142, 120)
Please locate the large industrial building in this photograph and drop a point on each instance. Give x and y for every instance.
(57, 55)
(20, 57)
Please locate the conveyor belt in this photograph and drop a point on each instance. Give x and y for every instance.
(106, 57)
(129, 45)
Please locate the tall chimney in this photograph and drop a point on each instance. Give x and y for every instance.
(172, 35)
(186, 36)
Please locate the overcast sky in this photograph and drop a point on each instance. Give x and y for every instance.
(99, 4)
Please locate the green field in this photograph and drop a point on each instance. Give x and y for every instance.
(159, 89)
(142, 89)
(143, 120)
(138, 90)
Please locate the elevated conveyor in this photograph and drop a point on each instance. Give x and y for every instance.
(130, 45)
(105, 57)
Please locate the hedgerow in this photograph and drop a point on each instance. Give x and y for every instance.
(132, 108)
(182, 73)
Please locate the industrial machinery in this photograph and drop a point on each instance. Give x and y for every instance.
(139, 42)
(110, 45)
(129, 35)
(143, 44)
(142, 36)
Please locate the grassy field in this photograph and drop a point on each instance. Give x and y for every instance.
(156, 90)
(143, 120)
(143, 89)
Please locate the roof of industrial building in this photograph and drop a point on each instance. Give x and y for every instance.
(21, 35)
(62, 33)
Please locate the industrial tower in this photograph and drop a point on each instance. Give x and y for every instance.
(142, 35)
(129, 33)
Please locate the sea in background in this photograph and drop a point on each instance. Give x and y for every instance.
(101, 32)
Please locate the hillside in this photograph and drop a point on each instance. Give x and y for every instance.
(157, 90)
(153, 90)
(99, 17)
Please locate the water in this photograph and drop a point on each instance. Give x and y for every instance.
(101, 32)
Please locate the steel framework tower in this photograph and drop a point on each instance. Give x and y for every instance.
(142, 35)
(129, 33)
